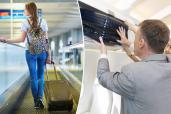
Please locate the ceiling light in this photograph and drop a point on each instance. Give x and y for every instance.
(163, 13)
(124, 4)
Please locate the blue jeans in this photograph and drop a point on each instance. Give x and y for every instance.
(36, 64)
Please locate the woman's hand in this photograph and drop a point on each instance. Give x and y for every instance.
(2, 39)
(48, 60)
(102, 46)
(122, 34)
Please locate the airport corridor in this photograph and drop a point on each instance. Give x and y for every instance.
(26, 105)
(60, 19)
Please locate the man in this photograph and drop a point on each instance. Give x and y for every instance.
(127, 48)
(145, 86)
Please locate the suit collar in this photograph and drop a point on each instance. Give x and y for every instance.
(158, 57)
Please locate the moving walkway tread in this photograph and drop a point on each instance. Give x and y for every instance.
(27, 105)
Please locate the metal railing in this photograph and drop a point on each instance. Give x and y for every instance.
(12, 44)
(12, 64)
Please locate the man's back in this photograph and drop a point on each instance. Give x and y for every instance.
(145, 86)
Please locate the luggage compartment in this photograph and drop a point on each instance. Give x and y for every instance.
(97, 23)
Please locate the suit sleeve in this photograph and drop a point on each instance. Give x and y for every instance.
(119, 82)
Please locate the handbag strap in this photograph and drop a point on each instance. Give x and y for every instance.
(40, 22)
(27, 33)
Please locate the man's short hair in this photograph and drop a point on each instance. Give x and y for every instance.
(156, 33)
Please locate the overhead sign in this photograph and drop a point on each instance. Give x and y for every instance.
(16, 14)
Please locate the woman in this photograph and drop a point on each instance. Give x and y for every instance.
(36, 62)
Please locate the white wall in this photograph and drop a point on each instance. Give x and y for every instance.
(95, 99)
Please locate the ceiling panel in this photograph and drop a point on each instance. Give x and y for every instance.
(145, 9)
(61, 15)
(21, 1)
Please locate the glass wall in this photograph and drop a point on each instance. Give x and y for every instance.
(12, 65)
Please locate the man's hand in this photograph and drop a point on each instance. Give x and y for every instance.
(131, 26)
(102, 46)
(167, 49)
(122, 34)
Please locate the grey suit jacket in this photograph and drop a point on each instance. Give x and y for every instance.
(145, 86)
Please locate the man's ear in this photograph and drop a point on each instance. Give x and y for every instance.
(141, 43)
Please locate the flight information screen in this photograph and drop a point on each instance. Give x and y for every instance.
(14, 14)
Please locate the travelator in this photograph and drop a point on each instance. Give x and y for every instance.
(15, 93)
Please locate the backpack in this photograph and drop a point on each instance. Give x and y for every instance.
(38, 43)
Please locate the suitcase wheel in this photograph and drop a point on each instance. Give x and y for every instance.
(69, 109)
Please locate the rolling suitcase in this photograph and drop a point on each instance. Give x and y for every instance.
(57, 94)
(97, 23)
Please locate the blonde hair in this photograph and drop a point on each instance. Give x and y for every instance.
(32, 9)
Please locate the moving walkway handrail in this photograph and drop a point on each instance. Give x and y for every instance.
(12, 44)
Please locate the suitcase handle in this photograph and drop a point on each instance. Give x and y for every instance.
(56, 75)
